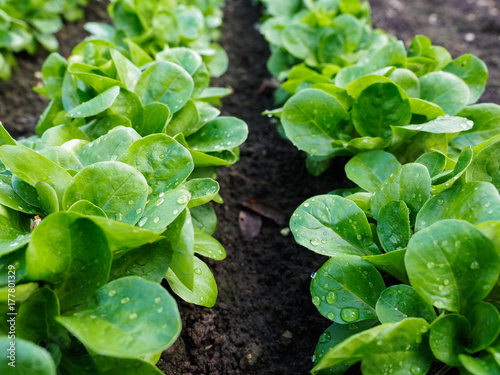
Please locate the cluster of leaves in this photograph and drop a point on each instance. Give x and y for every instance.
(404, 101)
(122, 172)
(155, 25)
(424, 217)
(433, 226)
(26, 24)
(325, 35)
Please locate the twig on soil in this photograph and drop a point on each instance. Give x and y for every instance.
(243, 177)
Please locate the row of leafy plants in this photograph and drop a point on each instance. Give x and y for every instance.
(112, 195)
(413, 271)
(24, 25)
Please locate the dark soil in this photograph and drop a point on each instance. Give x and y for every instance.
(264, 322)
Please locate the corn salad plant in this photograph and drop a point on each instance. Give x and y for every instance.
(111, 196)
(413, 270)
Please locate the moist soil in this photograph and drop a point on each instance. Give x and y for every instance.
(263, 322)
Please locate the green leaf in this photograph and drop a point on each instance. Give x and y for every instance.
(167, 83)
(149, 262)
(108, 147)
(163, 161)
(58, 135)
(96, 105)
(27, 357)
(9, 198)
(434, 161)
(202, 190)
(117, 188)
(204, 218)
(393, 227)
(36, 319)
(48, 197)
(409, 183)
(485, 165)
(11, 238)
(207, 246)
(32, 167)
(452, 265)
(484, 319)
(222, 133)
(475, 202)
(331, 225)
(399, 302)
(163, 209)
(127, 71)
(485, 117)
(312, 120)
(181, 234)
(379, 107)
(446, 90)
(53, 71)
(346, 288)
(156, 117)
(443, 124)
(86, 208)
(392, 263)
(126, 318)
(485, 365)
(204, 291)
(448, 333)
(5, 137)
(463, 162)
(217, 63)
(369, 169)
(59, 253)
(474, 73)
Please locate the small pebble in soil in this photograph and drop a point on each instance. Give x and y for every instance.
(285, 232)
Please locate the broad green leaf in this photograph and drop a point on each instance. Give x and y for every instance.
(53, 71)
(369, 169)
(167, 83)
(301, 41)
(399, 302)
(204, 218)
(446, 90)
(393, 227)
(62, 156)
(434, 161)
(32, 167)
(485, 165)
(124, 366)
(156, 117)
(58, 135)
(128, 104)
(409, 183)
(59, 253)
(402, 347)
(117, 188)
(36, 319)
(163, 161)
(48, 197)
(181, 234)
(379, 107)
(93, 77)
(46, 120)
(484, 319)
(104, 125)
(222, 133)
(331, 225)
(207, 246)
(204, 291)
(96, 105)
(149, 262)
(127, 318)
(407, 80)
(108, 147)
(312, 120)
(448, 336)
(334, 335)
(163, 209)
(11, 238)
(452, 265)
(186, 58)
(202, 190)
(26, 358)
(485, 365)
(474, 73)
(485, 117)
(9, 198)
(392, 263)
(5, 137)
(346, 288)
(475, 202)
(218, 62)
(86, 208)
(127, 71)
(424, 111)
(356, 87)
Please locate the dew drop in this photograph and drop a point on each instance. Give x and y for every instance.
(130, 202)
(416, 370)
(349, 314)
(330, 315)
(183, 199)
(162, 194)
(132, 316)
(112, 293)
(160, 309)
(313, 275)
(138, 211)
(325, 337)
(306, 204)
(474, 265)
(176, 212)
(314, 242)
(157, 300)
(316, 300)
(156, 220)
(440, 201)
(143, 221)
(159, 202)
(331, 297)
(197, 271)
(125, 300)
